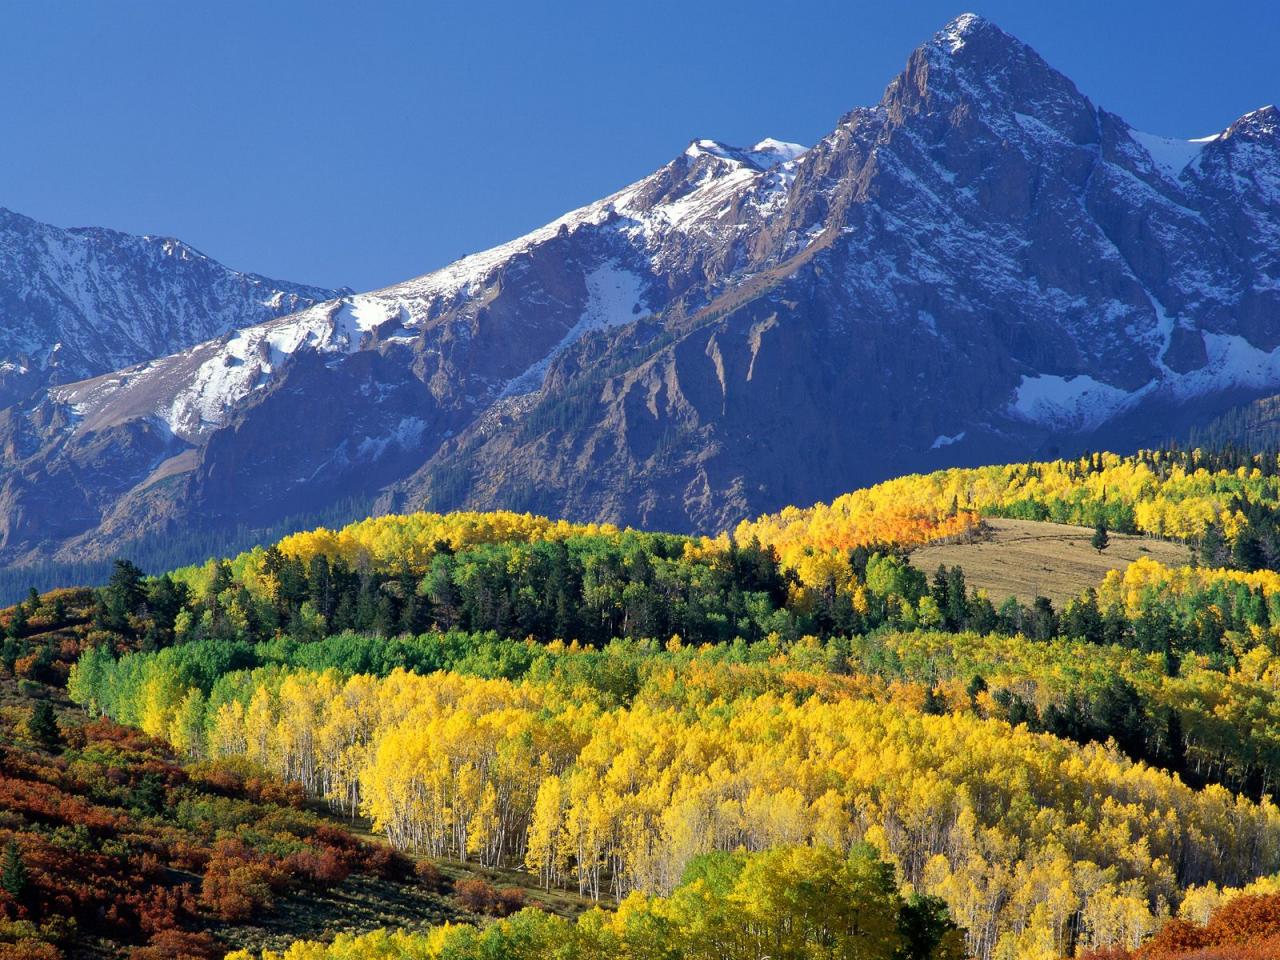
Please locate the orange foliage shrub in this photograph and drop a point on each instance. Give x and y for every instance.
(509, 900)
(234, 889)
(1244, 919)
(1243, 928)
(29, 950)
(1177, 938)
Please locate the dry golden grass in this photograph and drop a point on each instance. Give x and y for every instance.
(1025, 558)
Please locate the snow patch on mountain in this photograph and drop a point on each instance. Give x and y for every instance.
(1233, 362)
(1170, 154)
(1067, 403)
(1082, 403)
(768, 153)
(758, 177)
(615, 296)
(406, 435)
(246, 362)
(81, 302)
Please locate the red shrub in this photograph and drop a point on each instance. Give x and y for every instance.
(106, 731)
(1246, 928)
(508, 901)
(177, 945)
(164, 908)
(475, 895)
(1174, 939)
(335, 837)
(323, 866)
(28, 667)
(382, 861)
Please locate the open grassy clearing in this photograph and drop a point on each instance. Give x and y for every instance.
(1027, 557)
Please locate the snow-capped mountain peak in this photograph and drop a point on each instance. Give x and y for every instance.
(983, 265)
(1263, 123)
(765, 155)
(960, 29)
(110, 299)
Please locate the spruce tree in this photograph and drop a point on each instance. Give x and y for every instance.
(42, 725)
(1212, 547)
(956, 610)
(13, 872)
(1100, 540)
(977, 685)
(935, 704)
(1246, 554)
(18, 622)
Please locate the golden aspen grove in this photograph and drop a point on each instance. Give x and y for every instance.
(786, 741)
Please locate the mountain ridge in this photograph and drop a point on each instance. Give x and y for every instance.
(984, 265)
(83, 301)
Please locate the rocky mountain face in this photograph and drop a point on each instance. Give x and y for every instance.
(81, 302)
(985, 265)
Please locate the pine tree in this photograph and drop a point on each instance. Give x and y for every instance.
(13, 872)
(1044, 621)
(18, 622)
(977, 685)
(42, 725)
(1100, 540)
(120, 598)
(1212, 547)
(1246, 554)
(935, 704)
(956, 611)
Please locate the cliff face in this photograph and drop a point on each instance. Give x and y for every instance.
(985, 265)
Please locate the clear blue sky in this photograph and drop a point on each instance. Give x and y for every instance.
(365, 143)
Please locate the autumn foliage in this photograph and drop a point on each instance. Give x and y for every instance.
(114, 839)
(610, 710)
(1246, 927)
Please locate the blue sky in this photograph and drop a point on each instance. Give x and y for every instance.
(362, 144)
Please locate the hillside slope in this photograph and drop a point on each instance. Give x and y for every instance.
(1030, 558)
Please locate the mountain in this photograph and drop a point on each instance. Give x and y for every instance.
(983, 266)
(1253, 426)
(82, 302)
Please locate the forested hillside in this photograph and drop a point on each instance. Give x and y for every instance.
(788, 741)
